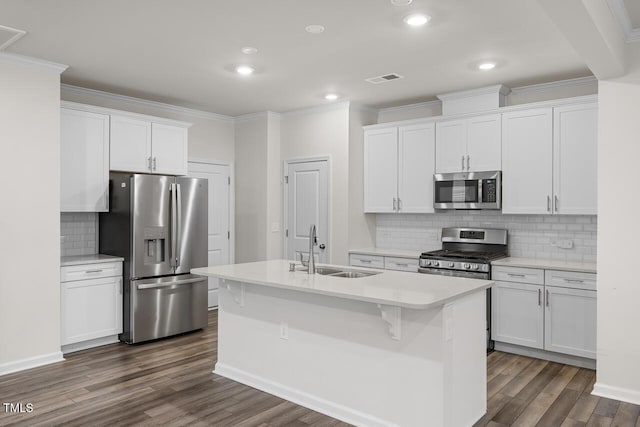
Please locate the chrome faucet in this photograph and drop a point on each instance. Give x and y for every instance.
(313, 240)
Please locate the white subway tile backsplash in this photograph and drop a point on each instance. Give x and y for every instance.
(79, 233)
(530, 236)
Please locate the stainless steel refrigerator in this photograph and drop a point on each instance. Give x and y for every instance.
(158, 224)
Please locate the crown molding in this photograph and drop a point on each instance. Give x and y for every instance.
(495, 89)
(316, 109)
(146, 103)
(418, 105)
(28, 60)
(17, 35)
(619, 11)
(115, 112)
(542, 87)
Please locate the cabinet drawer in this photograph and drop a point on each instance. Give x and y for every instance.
(570, 279)
(401, 264)
(90, 271)
(518, 275)
(361, 260)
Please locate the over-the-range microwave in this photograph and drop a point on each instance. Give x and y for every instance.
(467, 190)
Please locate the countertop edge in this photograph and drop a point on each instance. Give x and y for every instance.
(66, 261)
(401, 253)
(546, 264)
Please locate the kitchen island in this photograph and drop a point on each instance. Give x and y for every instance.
(389, 349)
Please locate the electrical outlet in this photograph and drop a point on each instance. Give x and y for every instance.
(562, 243)
(275, 227)
(284, 331)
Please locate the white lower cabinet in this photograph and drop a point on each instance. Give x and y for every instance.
(558, 315)
(91, 308)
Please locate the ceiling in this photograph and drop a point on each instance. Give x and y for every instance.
(184, 52)
(633, 10)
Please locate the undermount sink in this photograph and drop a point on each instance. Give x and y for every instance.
(349, 274)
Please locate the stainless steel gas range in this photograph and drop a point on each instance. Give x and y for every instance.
(467, 252)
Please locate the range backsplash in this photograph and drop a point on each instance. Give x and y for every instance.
(530, 236)
(78, 233)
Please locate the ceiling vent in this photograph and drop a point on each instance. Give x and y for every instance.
(383, 79)
(9, 36)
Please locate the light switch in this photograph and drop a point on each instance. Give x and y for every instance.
(275, 227)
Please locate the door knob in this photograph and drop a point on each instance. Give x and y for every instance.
(322, 246)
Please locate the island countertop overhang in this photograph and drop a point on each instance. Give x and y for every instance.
(402, 289)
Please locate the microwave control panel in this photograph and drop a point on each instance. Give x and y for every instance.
(489, 191)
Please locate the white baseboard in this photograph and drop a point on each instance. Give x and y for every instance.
(307, 400)
(83, 345)
(616, 393)
(567, 359)
(30, 362)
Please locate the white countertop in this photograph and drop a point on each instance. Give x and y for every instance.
(549, 264)
(88, 259)
(401, 253)
(410, 290)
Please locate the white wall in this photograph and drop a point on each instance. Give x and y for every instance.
(618, 375)
(30, 215)
(211, 137)
(274, 181)
(324, 132)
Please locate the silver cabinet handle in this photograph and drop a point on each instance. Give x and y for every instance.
(167, 284)
(366, 261)
(155, 163)
(399, 204)
(93, 271)
(548, 203)
(547, 298)
(467, 162)
(462, 163)
(120, 286)
(401, 264)
(539, 297)
(557, 203)
(515, 275)
(395, 204)
(149, 163)
(573, 280)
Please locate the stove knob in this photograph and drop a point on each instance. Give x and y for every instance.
(467, 266)
(435, 263)
(476, 266)
(427, 262)
(451, 264)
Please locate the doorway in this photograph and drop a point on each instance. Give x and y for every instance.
(306, 202)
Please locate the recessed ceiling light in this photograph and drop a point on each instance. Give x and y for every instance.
(487, 66)
(401, 2)
(417, 19)
(245, 70)
(331, 96)
(249, 50)
(314, 29)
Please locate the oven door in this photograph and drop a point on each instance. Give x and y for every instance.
(473, 190)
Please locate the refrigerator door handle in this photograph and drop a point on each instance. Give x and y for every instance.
(179, 222)
(170, 283)
(174, 234)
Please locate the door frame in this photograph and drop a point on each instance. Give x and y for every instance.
(285, 198)
(232, 200)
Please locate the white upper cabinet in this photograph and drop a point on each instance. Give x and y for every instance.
(398, 169)
(416, 165)
(527, 161)
(381, 170)
(84, 161)
(451, 146)
(169, 149)
(575, 165)
(469, 145)
(140, 145)
(130, 144)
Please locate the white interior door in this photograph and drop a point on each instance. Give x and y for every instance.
(307, 203)
(218, 177)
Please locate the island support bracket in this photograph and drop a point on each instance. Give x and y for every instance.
(393, 316)
(237, 291)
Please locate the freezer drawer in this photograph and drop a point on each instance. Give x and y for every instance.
(165, 306)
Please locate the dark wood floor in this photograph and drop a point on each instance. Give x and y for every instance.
(169, 382)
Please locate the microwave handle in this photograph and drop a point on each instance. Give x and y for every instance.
(480, 200)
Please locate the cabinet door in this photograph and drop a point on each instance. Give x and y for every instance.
(517, 314)
(484, 143)
(570, 321)
(130, 144)
(451, 146)
(380, 170)
(91, 309)
(84, 161)
(416, 164)
(527, 161)
(169, 148)
(575, 140)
